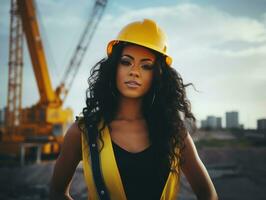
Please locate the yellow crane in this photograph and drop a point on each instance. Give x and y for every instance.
(46, 121)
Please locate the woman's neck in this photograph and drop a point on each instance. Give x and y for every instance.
(129, 109)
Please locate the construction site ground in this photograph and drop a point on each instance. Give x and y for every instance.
(237, 173)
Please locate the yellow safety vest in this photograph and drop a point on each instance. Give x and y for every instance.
(111, 174)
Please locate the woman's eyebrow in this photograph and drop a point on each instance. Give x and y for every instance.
(128, 56)
(147, 59)
(144, 59)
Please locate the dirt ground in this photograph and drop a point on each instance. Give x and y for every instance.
(237, 173)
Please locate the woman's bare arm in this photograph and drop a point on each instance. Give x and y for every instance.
(66, 164)
(196, 173)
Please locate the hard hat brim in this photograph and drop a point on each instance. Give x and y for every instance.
(110, 45)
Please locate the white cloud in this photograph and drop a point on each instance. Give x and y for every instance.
(264, 18)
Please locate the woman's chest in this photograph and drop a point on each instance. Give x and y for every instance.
(141, 173)
(132, 137)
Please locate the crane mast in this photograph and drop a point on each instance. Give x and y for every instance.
(15, 65)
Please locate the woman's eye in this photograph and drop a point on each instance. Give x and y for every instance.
(125, 62)
(147, 66)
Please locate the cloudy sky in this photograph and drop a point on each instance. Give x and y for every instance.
(219, 46)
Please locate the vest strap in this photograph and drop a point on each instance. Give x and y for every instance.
(95, 161)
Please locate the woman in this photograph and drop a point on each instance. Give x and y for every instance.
(137, 104)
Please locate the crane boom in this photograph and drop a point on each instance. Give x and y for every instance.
(38, 59)
(75, 62)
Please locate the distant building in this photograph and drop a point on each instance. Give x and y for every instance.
(212, 122)
(231, 119)
(2, 116)
(261, 124)
(203, 123)
(241, 126)
(219, 122)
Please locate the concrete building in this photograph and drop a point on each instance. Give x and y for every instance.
(219, 122)
(212, 122)
(231, 119)
(203, 123)
(261, 124)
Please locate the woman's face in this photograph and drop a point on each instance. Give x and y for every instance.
(135, 71)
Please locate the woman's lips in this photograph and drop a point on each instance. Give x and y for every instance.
(132, 84)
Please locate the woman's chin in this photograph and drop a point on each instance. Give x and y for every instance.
(131, 95)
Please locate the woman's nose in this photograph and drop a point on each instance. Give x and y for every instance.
(134, 71)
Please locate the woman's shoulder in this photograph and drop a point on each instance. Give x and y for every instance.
(71, 147)
(75, 129)
(74, 132)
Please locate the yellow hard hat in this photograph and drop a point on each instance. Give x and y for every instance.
(144, 33)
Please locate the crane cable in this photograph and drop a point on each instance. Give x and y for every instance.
(81, 49)
(51, 59)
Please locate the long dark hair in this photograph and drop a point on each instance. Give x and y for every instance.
(165, 105)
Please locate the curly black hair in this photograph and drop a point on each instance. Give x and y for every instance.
(165, 106)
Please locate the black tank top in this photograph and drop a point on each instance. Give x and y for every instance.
(143, 175)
